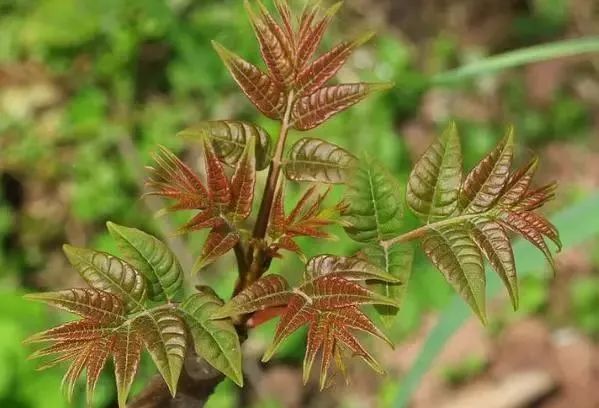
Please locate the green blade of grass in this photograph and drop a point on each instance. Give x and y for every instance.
(519, 57)
(577, 224)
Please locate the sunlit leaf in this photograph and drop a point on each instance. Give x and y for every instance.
(312, 110)
(229, 138)
(109, 273)
(215, 341)
(319, 161)
(152, 258)
(311, 31)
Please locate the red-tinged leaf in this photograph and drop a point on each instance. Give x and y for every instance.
(485, 183)
(263, 316)
(349, 268)
(266, 292)
(127, 355)
(518, 184)
(275, 47)
(204, 220)
(494, 243)
(308, 218)
(287, 19)
(326, 66)
(312, 110)
(174, 180)
(298, 313)
(219, 188)
(334, 292)
(256, 85)
(74, 371)
(76, 331)
(328, 304)
(95, 363)
(536, 199)
(311, 33)
(243, 183)
(533, 227)
(218, 242)
(91, 303)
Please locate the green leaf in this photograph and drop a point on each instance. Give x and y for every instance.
(152, 258)
(319, 161)
(434, 183)
(215, 340)
(163, 333)
(229, 139)
(452, 250)
(109, 273)
(374, 204)
(397, 262)
(577, 224)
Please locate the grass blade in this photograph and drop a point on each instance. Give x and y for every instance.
(519, 57)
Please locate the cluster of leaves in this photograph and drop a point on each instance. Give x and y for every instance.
(295, 82)
(132, 303)
(327, 301)
(466, 218)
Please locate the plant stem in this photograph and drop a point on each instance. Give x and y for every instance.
(274, 173)
(421, 231)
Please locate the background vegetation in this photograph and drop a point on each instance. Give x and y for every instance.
(89, 89)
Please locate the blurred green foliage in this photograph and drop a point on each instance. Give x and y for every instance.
(111, 79)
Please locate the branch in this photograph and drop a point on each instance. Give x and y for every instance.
(196, 384)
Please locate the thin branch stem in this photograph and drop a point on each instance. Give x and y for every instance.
(274, 173)
(420, 232)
